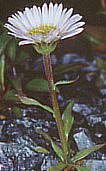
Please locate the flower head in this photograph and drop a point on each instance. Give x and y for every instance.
(44, 25)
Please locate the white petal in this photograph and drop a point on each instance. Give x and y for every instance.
(58, 14)
(75, 26)
(36, 15)
(77, 31)
(74, 19)
(24, 42)
(51, 13)
(66, 16)
(44, 14)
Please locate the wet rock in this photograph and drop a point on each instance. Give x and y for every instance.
(47, 162)
(18, 157)
(95, 165)
(82, 140)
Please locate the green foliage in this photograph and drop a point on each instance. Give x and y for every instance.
(57, 150)
(23, 56)
(101, 80)
(3, 42)
(65, 82)
(68, 119)
(61, 69)
(17, 111)
(10, 95)
(61, 165)
(81, 168)
(55, 147)
(41, 150)
(100, 63)
(85, 152)
(38, 85)
(57, 167)
(11, 50)
(30, 101)
(16, 82)
(2, 67)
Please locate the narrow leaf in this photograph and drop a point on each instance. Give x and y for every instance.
(30, 101)
(68, 119)
(10, 95)
(17, 111)
(3, 42)
(41, 150)
(57, 150)
(17, 83)
(2, 65)
(57, 167)
(38, 85)
(23, 56)
(85, 152)
(100, 63)
(55, 147)
(66, 82)
(61, 69)
(11, 50)
(79, 168)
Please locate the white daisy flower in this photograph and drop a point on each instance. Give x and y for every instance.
(44, 25)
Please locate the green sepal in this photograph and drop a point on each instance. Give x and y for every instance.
(68, 119)
(45, 48)
(86, 151)
(30, 101)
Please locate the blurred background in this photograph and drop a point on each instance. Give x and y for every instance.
(87, 8)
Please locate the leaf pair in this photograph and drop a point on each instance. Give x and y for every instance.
(60, 166)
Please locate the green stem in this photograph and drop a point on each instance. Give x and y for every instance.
(59, 122)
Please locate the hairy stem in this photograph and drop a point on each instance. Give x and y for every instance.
(58, 119)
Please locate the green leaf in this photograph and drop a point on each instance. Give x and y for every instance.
(61, 69)
(41, 150)
(17, 83)
(2, 65)
(38, 85)
(3, 42)
(17, 112)
(30, 101)
(81, 168)
(66, 82)
(23, 56)
(57, 167)
(57, 150)
(11, 50)
(55, 147)
(100, 63)
(85, 152)
(68, 119)
(93, 39)
(60, 166)
(10, 95)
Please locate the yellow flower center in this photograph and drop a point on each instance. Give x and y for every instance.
(44, 29)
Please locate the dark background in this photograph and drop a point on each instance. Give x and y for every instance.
(87, 8)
